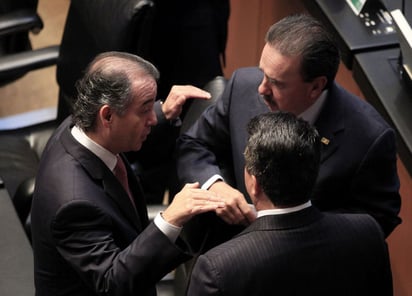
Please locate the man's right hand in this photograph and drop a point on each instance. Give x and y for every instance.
(178, 95)
(236, 210)
(191, 201)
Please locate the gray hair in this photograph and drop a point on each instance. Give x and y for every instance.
(108, 81)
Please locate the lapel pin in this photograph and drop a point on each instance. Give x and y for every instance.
(325, 141)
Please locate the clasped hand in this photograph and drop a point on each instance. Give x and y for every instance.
(236, 210)
(191, 201)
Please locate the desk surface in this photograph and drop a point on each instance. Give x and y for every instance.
(378, 77)
(16, 259)
(350, 30)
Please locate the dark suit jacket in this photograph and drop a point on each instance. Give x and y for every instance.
(87, 237)
(301, 253)
(358, 167)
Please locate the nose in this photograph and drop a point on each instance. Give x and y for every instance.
(152, 121)
(263, 89)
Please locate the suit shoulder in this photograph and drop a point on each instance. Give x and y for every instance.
(359, 109)
(236, 247)
(248, 74)
(358, 224)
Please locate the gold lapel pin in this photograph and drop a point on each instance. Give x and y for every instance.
(325, 141)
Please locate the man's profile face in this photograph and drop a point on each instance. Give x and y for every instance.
(132, 128)
(282, 86)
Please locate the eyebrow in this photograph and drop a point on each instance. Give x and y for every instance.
(267, 76)
(148, 101)
(274, 80)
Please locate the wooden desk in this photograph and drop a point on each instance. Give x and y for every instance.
(16, 256)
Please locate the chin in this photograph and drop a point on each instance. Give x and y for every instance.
(136, 147)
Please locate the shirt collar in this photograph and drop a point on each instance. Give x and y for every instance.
(285, 210)
(105, 155)
(311, 114)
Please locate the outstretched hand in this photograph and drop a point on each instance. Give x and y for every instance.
(191, 201)
(172, 106)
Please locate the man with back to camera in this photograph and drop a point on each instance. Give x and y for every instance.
(296, 73)
(292, 248)
(91, 234)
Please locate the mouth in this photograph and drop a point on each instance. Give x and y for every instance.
(146, 134)
(270, 102)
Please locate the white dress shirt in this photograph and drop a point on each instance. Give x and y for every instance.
(284, 210)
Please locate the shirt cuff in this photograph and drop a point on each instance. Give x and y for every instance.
(171, 231)
(211, 181)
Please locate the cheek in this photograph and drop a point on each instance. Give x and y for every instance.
(140, 126)
(129, 129)
(281, 97)
(290, 95)
(136, 128)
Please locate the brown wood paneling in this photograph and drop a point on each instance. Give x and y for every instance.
(400, 241)
(248, 23)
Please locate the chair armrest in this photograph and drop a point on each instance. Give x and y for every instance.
(20, 21)
(216, 87)
(23, 62)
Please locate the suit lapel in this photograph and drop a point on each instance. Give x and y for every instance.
(99, 172)
(114, 190)
(138, 193)
(330, 123)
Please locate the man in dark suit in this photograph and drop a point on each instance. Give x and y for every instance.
(91, 233)
(292, 248)
(296, 73)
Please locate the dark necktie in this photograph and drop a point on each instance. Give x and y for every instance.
(121, 174)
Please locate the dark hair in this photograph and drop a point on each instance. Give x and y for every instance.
(283, 153)
(108, 80)
(303, 35)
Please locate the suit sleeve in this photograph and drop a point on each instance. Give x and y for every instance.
(204, 279)
(85, 237)
(201, 149)
(377, 182)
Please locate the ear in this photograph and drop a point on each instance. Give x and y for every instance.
(106, 115)
(318, 84)
(255, 187)
(252, 185)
